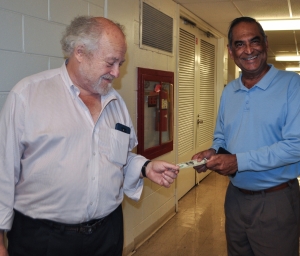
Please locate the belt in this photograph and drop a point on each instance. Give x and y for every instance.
(86, 228)
(269, 190)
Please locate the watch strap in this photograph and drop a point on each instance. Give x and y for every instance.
(144, 168)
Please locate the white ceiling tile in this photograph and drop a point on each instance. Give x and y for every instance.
(267, 9)
(214, 11)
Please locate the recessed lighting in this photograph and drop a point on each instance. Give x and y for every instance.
(291, 24)
(288, 58)
(293, 69)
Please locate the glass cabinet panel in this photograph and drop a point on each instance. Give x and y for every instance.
(155, 112)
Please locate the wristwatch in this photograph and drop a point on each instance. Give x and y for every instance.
(144, 168)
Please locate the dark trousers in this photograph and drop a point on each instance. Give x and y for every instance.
(30, 237)
(265, 224)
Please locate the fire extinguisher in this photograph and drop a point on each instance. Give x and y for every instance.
(162, 112)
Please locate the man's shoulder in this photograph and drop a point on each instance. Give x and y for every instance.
(283, 73)
(36, 78)
(43, 75)
(289, 78)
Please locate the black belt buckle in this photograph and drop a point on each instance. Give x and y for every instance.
(87, 229)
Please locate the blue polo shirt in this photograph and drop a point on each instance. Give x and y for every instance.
(261, 126)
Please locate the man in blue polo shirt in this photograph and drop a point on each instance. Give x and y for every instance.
(259, 124)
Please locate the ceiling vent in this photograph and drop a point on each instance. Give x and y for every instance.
(156, 30)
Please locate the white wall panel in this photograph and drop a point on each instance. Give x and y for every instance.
(142, 58)
(42, 37)
(66, 10)
(136, 32)
(3, 96)
(56, 62)
(168, 9)
(160, 62)
(136, 210)
(170, 204)
(132, 219)
(15, 66)
(148, 190)
(95, 10)
(164, 195)
(10, 36)
(35, 8)
(150, 206)
(96, 2)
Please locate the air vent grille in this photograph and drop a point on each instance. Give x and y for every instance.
(157, 29)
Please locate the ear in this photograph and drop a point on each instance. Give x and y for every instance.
(79, 53)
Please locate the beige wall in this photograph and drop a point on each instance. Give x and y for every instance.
(233, 71)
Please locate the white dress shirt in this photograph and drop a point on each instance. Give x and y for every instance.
(55, 163)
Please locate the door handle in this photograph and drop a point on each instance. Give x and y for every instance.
(199, 121)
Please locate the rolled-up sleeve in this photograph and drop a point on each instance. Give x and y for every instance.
(133, 184)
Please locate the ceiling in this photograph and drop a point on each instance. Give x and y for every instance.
(219, 14)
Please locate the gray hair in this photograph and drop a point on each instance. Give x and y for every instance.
(83, 30)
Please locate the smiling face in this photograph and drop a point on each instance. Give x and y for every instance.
(249, 49)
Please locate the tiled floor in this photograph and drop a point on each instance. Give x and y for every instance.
(197, 228)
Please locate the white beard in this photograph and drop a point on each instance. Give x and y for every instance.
(97, 87)
(102, 90)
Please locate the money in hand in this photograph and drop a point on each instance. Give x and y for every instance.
(191, 163)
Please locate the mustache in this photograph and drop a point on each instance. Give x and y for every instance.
(109, 77)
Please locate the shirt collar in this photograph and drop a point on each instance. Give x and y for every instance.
(262, 84)
(67, 80)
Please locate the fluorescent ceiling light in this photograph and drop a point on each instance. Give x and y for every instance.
(293, 69)
(288, 58)
(290, 24)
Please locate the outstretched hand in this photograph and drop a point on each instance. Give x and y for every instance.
(162, 173)
(200, 156)
(224, 164)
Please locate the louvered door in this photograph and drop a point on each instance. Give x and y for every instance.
(186, 109)
(206, 97)
(196, 100)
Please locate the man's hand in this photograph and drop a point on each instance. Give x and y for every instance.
(200, 156)
(162, 173)
(3, 251)
(223, 164)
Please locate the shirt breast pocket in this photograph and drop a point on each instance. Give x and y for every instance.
(119, 145)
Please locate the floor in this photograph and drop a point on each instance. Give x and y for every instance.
(197, 228)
